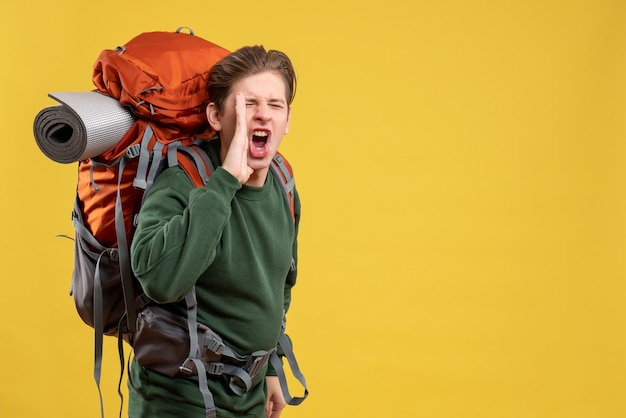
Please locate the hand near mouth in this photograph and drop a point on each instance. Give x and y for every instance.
(236, 160)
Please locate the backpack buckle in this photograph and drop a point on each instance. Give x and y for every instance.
(214, 368)
(213, 343)
(133, 151)
(256, 362)
(113, 254)
(187, 368)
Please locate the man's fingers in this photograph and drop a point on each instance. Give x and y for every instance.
(241, 129)
(236, 161)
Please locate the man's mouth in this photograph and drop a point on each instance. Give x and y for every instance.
(258, 144)
(259, 139)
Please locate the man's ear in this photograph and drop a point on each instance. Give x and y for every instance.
(213, 115)
(288, 120)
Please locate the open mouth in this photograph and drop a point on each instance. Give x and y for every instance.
(259, 143)
(259, 139)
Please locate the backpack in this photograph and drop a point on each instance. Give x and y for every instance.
(161, 77)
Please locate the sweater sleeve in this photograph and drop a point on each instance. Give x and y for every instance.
(178, 231)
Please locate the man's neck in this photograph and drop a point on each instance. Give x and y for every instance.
(258, 177)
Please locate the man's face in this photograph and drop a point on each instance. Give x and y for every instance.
(267, 117)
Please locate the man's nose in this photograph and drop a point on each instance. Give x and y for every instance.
(263, 112)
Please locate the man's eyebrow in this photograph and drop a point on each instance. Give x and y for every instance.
(272, 100)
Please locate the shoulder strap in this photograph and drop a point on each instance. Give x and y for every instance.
(196, 163)
(284, 174)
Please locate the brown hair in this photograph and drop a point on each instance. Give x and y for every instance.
(246, 61)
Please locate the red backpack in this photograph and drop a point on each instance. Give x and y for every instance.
(160, 79)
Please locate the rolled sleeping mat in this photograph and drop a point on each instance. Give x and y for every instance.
(84, 125)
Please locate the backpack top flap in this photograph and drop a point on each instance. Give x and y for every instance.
(162, 77)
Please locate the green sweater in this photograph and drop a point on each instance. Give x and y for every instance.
(235, 244)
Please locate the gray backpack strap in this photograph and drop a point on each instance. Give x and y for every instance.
(155, 165)
(287, 181)
(147, 170)
(124, 255)
(201, 161)
(240, 381)
(140, 181)
(209, 404)
(98, 331)
(279, 168)
(277, 363)
(149, 163)
(195, 353)
(83, 233)
(126, 274)
(82, 230)
(172, 149)
(241, 375)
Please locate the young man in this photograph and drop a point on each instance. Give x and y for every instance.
(235, 240)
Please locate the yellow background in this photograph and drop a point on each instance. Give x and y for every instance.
(461, 170)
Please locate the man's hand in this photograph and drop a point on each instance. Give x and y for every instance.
(236, 161)
(275, 399)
